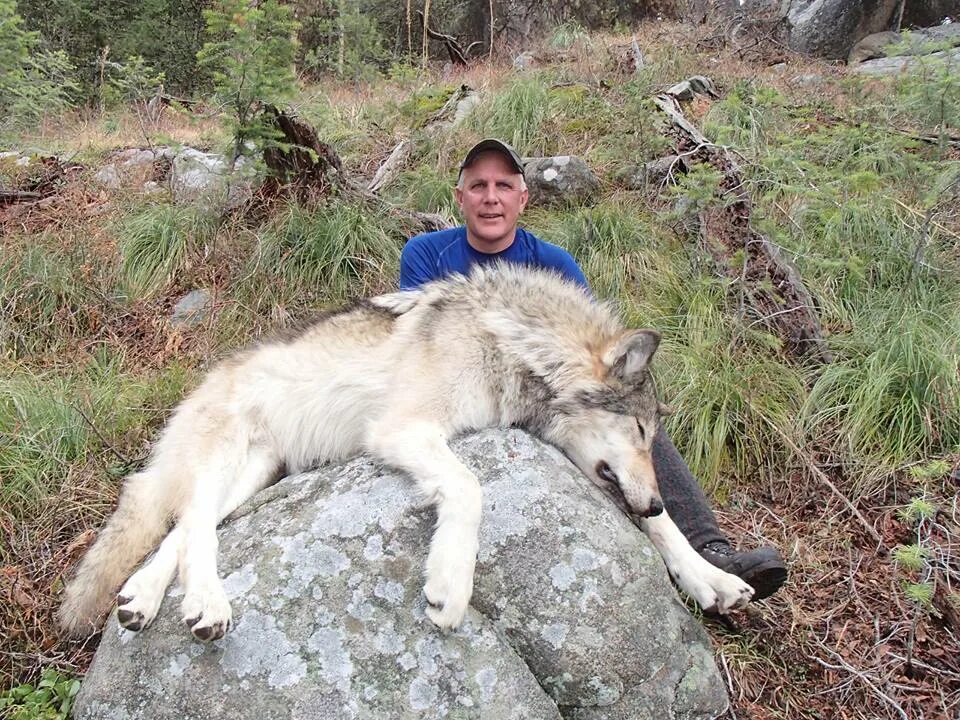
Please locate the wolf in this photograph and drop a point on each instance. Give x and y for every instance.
(395, 376)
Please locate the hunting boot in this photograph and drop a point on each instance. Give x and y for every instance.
(762, 569)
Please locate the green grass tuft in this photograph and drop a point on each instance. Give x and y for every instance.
(333, 254)
(516, 115)
(43, 301)
(159, 241)
(52, 423)
(893, 395)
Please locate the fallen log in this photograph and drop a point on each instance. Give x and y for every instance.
(768, 281)
(391, 166)
(9, 197)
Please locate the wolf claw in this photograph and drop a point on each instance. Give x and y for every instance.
(207, 613)
(136, 611)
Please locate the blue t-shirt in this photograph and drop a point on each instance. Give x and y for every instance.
(435, 255)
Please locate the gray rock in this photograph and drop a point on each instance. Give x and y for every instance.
(466, 106)
(906, 63)
(206, 180)
(654, 174)
(559, 179)
(807, 80)
(572, 613)
(923, 13)
(108, 177)
(524, 61)
(922, 41)
(192, 309)
(695, 85)
(137, 157)
(829, 28)
(15, 158)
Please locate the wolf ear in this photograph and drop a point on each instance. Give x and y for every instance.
(631, 353)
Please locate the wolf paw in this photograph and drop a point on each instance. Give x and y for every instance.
(207, 613)
(449, 582)
(731, 592)
(138, 603)
(713, 589)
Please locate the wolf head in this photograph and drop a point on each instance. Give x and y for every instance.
(607, 424)
(587, 389)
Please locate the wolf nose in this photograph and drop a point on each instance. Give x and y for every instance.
(654, 509)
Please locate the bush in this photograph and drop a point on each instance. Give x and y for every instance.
(251, 60)
(32, 83)
(51, 699)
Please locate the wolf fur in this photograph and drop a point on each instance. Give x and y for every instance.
(396, 376)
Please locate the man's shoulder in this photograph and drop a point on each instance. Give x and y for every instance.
(438, 239)
(548, 255)
(545, 251)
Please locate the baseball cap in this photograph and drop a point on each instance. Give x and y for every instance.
(496, 145)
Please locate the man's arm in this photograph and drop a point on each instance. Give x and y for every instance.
(556, 258)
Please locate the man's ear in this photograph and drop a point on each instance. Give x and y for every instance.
(458, 196)
(631, 353)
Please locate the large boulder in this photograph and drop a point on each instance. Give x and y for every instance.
(560, 179)
(572, 614)
(909, 63)
(829, 28)
(923, 13)
(922, 41)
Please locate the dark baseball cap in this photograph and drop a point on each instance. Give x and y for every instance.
(497, 146)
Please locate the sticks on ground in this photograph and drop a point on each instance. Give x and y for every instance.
(767, 279)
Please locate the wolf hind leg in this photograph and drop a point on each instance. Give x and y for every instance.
(421, 449)
(713, 589)
(206, 607)
(147, 501)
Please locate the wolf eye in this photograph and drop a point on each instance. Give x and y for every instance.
(643, 433)
(607, 473)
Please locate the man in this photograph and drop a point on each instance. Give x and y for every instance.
(492, 194)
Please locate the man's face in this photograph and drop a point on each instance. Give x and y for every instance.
(491, 198)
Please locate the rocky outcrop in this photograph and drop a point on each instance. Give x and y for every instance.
(829, 28)
(923, 13)
(922, 41)
(572, 614)
(209, 181)
(906, 63)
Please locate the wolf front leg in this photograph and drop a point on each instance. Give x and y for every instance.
(421, 449)
(229, 478)
(713, 589)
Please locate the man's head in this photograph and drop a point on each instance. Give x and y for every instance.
(491, 194)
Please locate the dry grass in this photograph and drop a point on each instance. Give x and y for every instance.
(835, 641)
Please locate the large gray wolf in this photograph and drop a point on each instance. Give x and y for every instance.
(395, 376)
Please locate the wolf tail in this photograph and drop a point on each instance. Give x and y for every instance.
(141, 519)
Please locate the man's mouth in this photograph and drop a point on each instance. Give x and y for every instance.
(494, 216)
